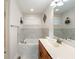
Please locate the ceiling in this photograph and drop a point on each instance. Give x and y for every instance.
(67, 6)
(38, 5)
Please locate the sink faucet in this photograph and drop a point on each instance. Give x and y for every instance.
(59, 41)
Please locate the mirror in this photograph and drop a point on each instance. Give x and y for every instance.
(64, 20)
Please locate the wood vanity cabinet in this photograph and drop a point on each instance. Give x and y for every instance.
(43, 54)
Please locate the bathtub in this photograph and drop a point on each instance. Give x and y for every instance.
(28, 50)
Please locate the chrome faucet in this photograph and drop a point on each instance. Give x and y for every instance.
(59, 41)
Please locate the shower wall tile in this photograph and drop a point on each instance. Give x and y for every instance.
(33, 34)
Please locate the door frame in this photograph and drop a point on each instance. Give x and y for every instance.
(6, 29)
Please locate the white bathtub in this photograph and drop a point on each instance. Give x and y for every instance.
(28, 50)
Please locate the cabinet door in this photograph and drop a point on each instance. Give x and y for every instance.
(43, 54)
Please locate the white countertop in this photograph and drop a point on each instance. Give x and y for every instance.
(63, 51)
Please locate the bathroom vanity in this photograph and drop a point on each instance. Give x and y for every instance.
(49, 49)
(43, 53)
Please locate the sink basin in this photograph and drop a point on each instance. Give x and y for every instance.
(70, 42)
(54, 43)
(58, 51)
(63, 50)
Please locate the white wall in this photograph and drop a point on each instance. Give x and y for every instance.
(57, 20)
(49, 21)
(31, 29)
(14, 18)
(32, 19)
(49, 13)
(15, 13)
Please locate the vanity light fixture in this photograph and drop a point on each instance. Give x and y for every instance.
(65, 0)
(21, 20)
(58, 3)
(31, 9)
(44, 18)
(52, 4)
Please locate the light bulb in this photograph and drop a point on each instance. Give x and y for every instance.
(57, 10)
(31, 9)
(60, 4)
(65, 0)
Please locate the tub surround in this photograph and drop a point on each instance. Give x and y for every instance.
(28, 50)
(58, 51)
